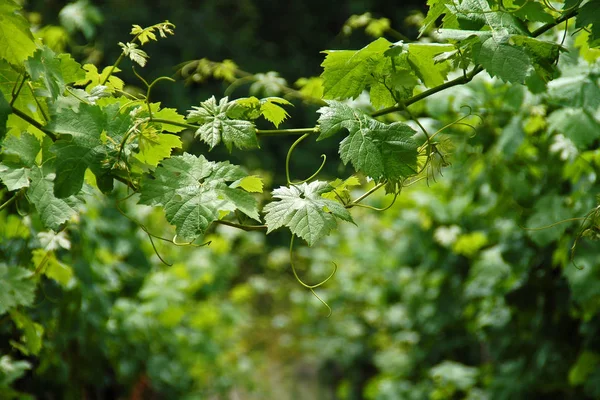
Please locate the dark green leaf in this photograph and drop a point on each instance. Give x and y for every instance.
(16, 288)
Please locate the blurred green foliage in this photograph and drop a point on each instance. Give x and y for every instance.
(446, 295)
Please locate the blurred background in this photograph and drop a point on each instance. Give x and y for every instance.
(445, 295)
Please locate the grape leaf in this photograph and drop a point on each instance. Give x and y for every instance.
(421, 58)
(81, 150)
(155, 146)
(53, 71)
(19, 155)
(193, 192)
(589, 16)
(380, 151)
(499, 58)
(341, 189)
(337, 116)
(304, 211)
(169, 114)
(15, 35)
(24, 148)
(383, 152)
(437, 8)
(272, 111)
(252, 108)
(53, 211)
(217, 126)
(16, 288)
(250, 183)
(532, 11)
(347, 73)
(93, 78)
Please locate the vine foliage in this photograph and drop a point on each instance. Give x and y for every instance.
(70, 131)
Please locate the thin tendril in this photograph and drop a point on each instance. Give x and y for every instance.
(289, 156)
(541, 228)
(311, 287)
(380, 209)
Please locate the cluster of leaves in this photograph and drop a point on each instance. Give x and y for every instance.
(69, 131)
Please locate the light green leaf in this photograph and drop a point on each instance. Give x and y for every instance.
(193, 192)
(14, 178)
(421, 58)
(169, 114)
(250, 183)
(272, 111)
(217, 126)
(437, 8)
(16, 288)
(53, 211)
(15, 35)
(136, 55)
(341, 189)
(53, 268)
(154, 146)
(347, 73)
(304, 211)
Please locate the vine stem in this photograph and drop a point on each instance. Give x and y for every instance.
(9, 201)
(241, 226)
(365, 195)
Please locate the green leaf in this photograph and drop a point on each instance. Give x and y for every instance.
(155, 146)
(53, 211)
(250, 183)
(193, 192)
(576, 124)
(169, 114)
(341, 189)
(19, 155)
(304, 211)
(81, 149)
(16, 288)
(347, 73)
(437, 8)
(548, 210)
(589, 15)
(93, 78)
(14, 178)
(53, 268)
(136, 55)
(421, 58)
(272, 111)
(378, 150)
(15, 35)
(532, 11)
(82, 143)
(53, 71)
(24, 148)
(337, 116)
(499, 58)
(217, 126)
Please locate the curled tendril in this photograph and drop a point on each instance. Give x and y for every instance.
(551, 7)
(152, 236)
(383, 208)
(311, 287)
(289, 156)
